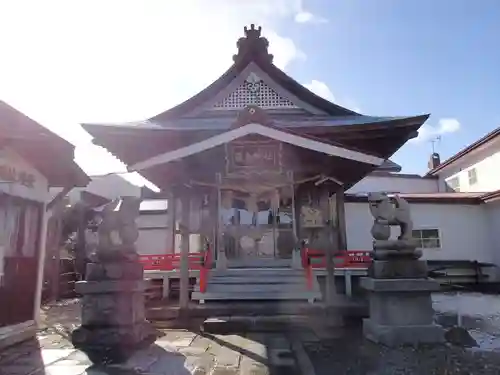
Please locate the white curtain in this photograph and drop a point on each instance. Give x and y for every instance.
(30, 231)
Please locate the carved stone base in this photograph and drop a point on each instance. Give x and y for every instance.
(113, 344)
(406, 254)
(113, 313)
(401, 311)
(398, 268)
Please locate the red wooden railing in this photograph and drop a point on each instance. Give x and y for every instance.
(346, 259)
(201, 261)
(315, 259)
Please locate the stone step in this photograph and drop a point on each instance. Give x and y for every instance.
(264, 323)
(215, 308)
(259, 263)
(266, 279)
(257, 288)
(256, 272)
(256, 296)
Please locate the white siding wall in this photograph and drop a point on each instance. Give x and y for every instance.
(153, 234)
(463, 229)
(397, 184)
(486, 161)
(487, 172)
(493, 218)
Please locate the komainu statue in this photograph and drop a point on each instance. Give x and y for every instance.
(388, 212)
(118, 230)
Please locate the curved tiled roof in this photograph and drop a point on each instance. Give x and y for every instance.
(50, 154)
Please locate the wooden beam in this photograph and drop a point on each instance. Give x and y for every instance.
(282, 136)
(59, 197)
(172, 220)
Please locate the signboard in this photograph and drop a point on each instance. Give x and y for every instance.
(311, 217)
(255, 157)
(12, 174)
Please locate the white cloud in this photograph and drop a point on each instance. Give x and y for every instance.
(64, 62)
(444, 126)
(320, 88)
(307, 17)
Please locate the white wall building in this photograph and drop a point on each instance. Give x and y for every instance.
(476, 168)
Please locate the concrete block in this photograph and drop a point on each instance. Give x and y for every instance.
(401, 309)
(393, 335)
(399, 285)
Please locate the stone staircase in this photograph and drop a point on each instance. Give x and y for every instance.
(257, 284)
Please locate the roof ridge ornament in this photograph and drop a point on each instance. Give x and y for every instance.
(253, 45)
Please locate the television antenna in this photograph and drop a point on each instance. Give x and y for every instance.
(434, 141)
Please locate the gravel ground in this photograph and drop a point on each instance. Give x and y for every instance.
(350, 354)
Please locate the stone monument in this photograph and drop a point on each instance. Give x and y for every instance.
(398, 286)
(113, 314)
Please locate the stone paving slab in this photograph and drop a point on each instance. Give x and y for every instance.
(176, 352)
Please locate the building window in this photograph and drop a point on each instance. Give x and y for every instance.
(427, 238)
(454, 183)
(472, 173)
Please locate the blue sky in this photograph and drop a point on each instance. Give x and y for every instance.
(68, 61)
(391, 57)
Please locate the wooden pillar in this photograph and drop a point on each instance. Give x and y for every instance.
(184, 279)
(296, 255)
(53, 251)
(221, 251)
(214, 224)
(330, 289)
(340, 217)
(171, 221)
(294, 214)
(42, 247)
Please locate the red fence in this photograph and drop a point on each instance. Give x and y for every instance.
(311, 259)
(168, 262)
(348, 259)
(315, 259)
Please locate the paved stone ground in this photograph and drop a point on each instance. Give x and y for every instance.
(180, 352)
(177, 352)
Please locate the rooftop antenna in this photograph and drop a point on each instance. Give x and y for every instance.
(435, 141)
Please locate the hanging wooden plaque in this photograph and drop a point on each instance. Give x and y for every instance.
(253, 157)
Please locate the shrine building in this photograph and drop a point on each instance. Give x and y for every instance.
(257, 166)
(32, 160)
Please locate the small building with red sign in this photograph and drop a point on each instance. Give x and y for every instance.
(32, 159)
(256, 166)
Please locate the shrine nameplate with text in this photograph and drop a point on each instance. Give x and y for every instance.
(253, 157)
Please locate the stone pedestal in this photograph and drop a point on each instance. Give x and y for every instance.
(113, 313)
(401, 310)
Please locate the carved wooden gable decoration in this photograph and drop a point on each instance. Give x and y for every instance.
(253, 91)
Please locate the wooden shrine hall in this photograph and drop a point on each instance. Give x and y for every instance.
(257, 166)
